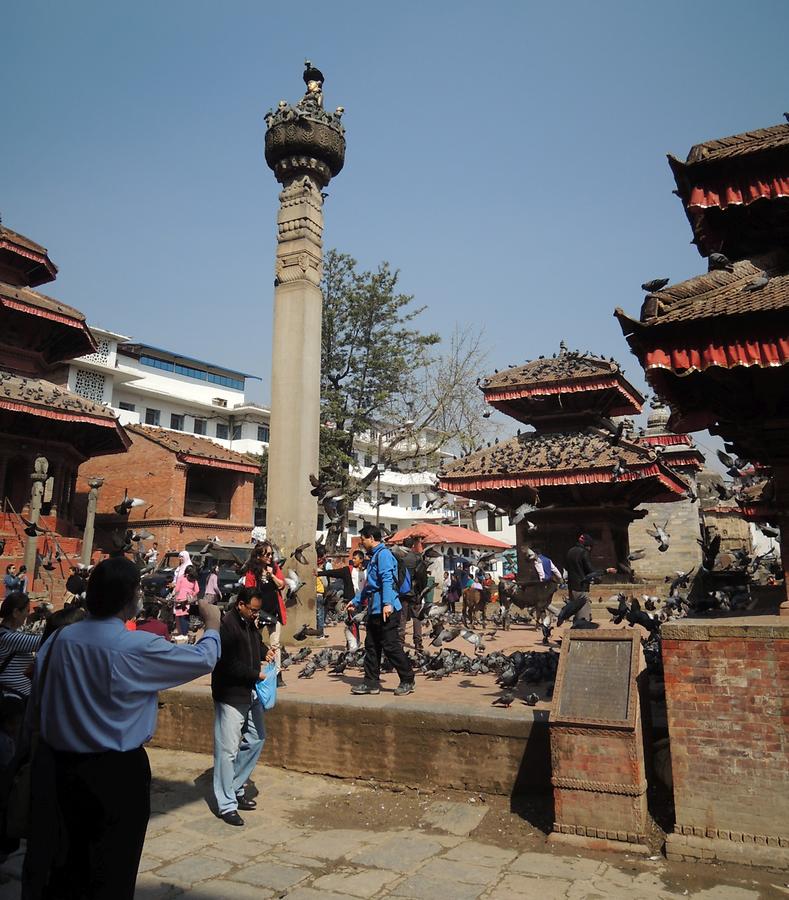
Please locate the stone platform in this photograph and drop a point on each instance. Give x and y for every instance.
(445, 734)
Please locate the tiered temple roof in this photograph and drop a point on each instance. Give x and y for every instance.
(570, 399)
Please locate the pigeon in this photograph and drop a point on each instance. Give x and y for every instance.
(757, 284)
(308, 671)
(520, 513)
(657, 284)
(618, 469)
(302, 654)
(531, 700)
(619, 612)
(719, 262)
(474, 639)
(294, 583)
(32, 529)
(301, 634)
(680, 580)
(504, 700)
(446, 635)
(298, 554)
(127, 504)
(660, 535)
(359, 617)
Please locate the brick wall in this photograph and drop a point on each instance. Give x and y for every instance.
(154, 474)
(727, 691)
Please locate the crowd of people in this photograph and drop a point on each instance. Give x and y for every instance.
(86, 684)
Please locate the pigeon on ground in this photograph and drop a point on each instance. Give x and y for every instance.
(308, 671)
(504, 700)
(531, 699)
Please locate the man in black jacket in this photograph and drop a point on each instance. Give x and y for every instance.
(580, 574)
(411, 598)
(239, 731)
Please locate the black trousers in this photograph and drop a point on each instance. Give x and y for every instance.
(384, 636)
(105, 801)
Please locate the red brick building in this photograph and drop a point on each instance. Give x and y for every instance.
(193, 488)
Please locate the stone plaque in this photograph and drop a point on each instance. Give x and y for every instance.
(596, 679)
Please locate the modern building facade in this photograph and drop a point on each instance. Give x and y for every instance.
(148, 385)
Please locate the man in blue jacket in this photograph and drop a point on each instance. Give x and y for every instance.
(383, 617)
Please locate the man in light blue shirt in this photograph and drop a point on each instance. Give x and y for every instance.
(383, 617)
(98, 709)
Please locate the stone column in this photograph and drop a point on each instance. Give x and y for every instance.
(90, 520)
(38, 476)
(304, 147)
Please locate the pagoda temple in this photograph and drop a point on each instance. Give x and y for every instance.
(715, 347)
(583, 471)
(39, 417)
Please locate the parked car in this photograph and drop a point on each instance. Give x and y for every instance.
(204, 555)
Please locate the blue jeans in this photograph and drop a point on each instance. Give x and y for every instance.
(320, 612)
(239, 733)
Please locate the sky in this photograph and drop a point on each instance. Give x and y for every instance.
(509, 158)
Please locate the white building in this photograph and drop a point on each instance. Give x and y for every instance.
(151, 386)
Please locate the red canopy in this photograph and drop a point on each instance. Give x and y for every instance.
(449, 534)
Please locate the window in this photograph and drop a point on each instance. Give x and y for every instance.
(394, 500)
(367, 496)
(201, 426)
(129, 407)
(236, 432)
(176, 422)
(368, 459)
(190, 372)
(222, 431)
(494, 522)
(90, 385)
(353, 526)
(414, 501)
(152, 416)
(263, 433)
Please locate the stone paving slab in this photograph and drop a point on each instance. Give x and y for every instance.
(548, 865)
(481, 854)
(530, 886)
(271, 875)
(401, 853)
(193, 868)
(456, 818)
(418, 887)
(221, 889)
(363, 883)
(453, 870)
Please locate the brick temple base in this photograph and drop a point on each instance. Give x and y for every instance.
(727, 692)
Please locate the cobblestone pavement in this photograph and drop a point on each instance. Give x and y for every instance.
(316, 838)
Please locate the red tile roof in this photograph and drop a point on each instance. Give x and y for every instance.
(197, 450)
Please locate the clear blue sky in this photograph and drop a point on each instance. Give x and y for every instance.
(508, 158)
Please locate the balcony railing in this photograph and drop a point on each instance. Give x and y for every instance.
(207, 509)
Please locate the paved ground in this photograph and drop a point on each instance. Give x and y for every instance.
(323, 839)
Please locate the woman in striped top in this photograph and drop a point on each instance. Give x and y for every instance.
(16, 647)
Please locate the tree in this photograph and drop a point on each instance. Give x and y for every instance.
(381, 376)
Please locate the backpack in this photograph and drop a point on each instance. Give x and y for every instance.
(403, 578)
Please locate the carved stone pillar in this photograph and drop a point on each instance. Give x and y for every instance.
(305, 147)
(38, 476)
(90, 520)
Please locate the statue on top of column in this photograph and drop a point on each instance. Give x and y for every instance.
(310, 107)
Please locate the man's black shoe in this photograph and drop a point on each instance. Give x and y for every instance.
(405, 687)
(364, 688)
(245, 804)
(232, 818)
